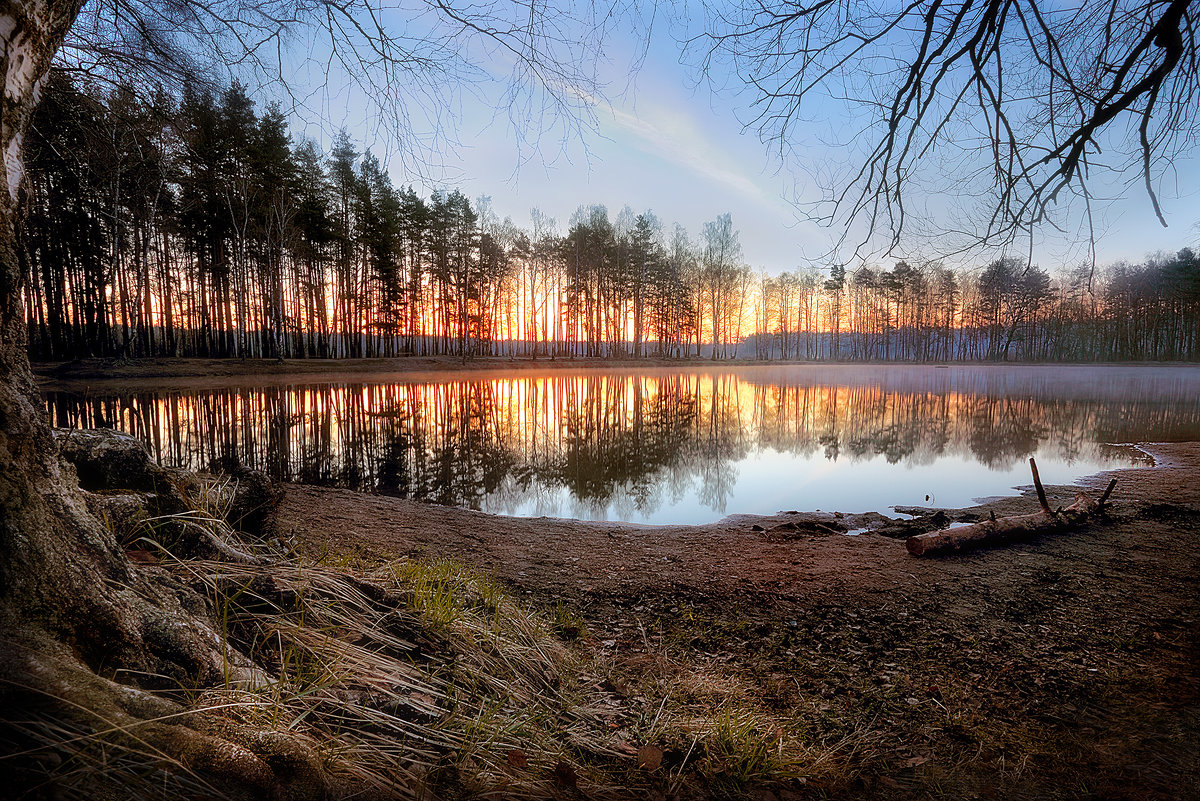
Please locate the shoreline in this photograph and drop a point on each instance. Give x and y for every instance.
(405, 527)
(174, 368)
(945, 674)
(1007, 671)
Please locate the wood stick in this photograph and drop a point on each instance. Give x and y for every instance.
(1112, 482)
(1037, 485)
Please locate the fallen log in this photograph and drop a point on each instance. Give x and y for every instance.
(1005, 529)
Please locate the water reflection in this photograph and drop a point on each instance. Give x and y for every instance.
(658, 447)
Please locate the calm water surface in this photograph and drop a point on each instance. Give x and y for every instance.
(662, 445)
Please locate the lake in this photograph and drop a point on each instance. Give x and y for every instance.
(664, 445)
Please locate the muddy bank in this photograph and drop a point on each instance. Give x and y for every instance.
(797, 550)
(1062, 667)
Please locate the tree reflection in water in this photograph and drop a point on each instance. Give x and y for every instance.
(617, 444)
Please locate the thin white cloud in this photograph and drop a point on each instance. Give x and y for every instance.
(676, 137)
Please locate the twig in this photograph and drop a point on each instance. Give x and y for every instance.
(1037, 485)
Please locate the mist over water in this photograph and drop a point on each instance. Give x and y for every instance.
(665, 445)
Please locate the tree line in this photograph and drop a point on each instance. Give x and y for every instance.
(1008, 310)
(196, 225)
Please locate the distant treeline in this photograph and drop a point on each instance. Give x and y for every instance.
(195, 226)
(1007, 310)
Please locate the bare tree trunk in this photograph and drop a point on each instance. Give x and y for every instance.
(74, 612)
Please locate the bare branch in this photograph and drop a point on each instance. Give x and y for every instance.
(408, 59)
(1002, 102)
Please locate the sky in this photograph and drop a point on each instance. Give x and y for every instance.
(662, 140)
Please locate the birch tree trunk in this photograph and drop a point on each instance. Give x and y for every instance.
(80, 625)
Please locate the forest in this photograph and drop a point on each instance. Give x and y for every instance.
(196, 225)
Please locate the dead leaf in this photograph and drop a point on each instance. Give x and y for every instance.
(650, 757)
(564, 775)
(626, 748)
(425, 704)
(517, 758)
(915, 761)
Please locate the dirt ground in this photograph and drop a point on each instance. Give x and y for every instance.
(1063, 667)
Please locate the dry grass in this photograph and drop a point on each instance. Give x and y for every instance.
(423, 672)
(409, 677)
(422, 677)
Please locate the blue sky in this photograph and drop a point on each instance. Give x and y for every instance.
(664, 141)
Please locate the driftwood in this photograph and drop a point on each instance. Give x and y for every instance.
(1005, 529)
